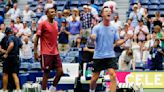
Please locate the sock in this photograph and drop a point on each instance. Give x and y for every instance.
(44, 91)
(52, 89)
(91, 90)
(5, 91)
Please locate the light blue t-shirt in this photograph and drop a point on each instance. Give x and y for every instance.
(105, 39)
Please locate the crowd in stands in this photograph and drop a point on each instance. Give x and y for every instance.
(146, 48)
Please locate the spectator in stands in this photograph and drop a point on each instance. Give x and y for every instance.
(18, 23)
(126, 60)
(147, 19)
(129, 22)
(27, 15)
(113, 13)
(141, 31)
(140, 9)
(14, 12)
(2, 35)
(25, 31)
(135, 16)
(110, 3)
(116, 22)
(9, 4)
(26, 50)
(105, 36)
(59, 19)
(75, 12)
(157, 54)
(75, 29)
(33, 26)
(10, 47)
(146, 49)
(49, 4)
(136, 48)
(159, 34)
(122, 33)
(158, 20)
(66, 14)
(48, 32)
(13, 27)
(63, 37)
(39, 9)
(86, 20)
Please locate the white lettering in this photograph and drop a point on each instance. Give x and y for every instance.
(157, 78)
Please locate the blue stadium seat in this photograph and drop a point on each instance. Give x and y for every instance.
(99, 2)
(38, 15)
(162, 13)
(154, 2)
(140, 65)
(60, 8)
(61, 2)
(73, 53)
(132, 2)
(161, 1)
(23, 78)
(161, 7)
(145, 6)
(74, 2)
(144, 2)
(152, 13)
(153, 7)
(34, 4)
(85, 2)
(25, 66)
(36, 66)
(69, 59)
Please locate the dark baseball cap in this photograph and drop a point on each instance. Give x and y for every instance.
(64, 21)
(8, 30)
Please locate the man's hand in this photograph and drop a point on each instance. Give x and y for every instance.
(36, 56)
(5, 55)
(129, 36)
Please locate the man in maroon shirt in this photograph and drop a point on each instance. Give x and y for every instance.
(50, 59)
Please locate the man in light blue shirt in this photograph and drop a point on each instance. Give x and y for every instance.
(106, 37)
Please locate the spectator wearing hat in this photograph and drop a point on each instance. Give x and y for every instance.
(75, 12)
(135, 16)
(86, 18)
(10, 47)
(63, 37)
(66, 15)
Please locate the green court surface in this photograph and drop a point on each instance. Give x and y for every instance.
(153, 90)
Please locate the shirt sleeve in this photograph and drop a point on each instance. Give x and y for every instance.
(94, 31)
(80, 25)
(116, 35)
(40, 29)
(20, 43)
(10, 39)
